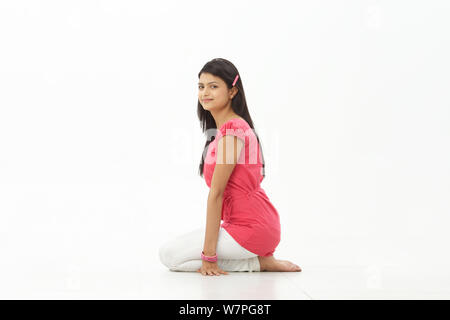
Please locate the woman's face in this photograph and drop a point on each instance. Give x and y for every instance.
(215, 90)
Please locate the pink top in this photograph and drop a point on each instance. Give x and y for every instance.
(247, 213)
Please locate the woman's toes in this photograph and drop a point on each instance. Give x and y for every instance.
(295, 267)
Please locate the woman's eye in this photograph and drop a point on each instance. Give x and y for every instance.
(211, 86)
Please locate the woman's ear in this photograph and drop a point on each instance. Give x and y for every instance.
(234, 92)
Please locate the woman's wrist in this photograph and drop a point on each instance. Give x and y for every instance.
(210, 258)
(209, 262)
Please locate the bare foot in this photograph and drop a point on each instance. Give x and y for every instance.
(275, 265)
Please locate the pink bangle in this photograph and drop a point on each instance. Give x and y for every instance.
(209, 258)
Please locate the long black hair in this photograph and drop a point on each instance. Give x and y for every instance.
(225, 70)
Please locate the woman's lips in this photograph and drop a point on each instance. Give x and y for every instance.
(207, 100)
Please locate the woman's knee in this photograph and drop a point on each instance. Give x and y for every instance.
(166, 254)
(171, 252)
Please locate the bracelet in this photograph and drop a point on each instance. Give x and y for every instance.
(209, 258)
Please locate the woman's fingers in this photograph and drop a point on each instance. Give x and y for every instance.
(217, 272)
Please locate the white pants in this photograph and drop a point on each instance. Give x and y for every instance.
(183, 253)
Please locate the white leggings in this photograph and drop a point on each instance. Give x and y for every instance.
(183, 253)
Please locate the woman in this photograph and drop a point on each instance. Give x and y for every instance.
(250, 232)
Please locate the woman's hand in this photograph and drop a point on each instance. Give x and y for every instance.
(210, 269)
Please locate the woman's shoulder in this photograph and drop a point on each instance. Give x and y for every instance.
(235, 123)
(237, 127)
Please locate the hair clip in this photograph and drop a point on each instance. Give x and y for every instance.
(235, 79)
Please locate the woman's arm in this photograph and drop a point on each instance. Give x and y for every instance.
(214, 212)
(228, 150)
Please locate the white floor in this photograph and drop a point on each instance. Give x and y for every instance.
(314, 282)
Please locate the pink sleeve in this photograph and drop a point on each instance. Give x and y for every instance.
(235, 129)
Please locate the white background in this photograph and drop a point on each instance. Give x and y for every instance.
(100, 142)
